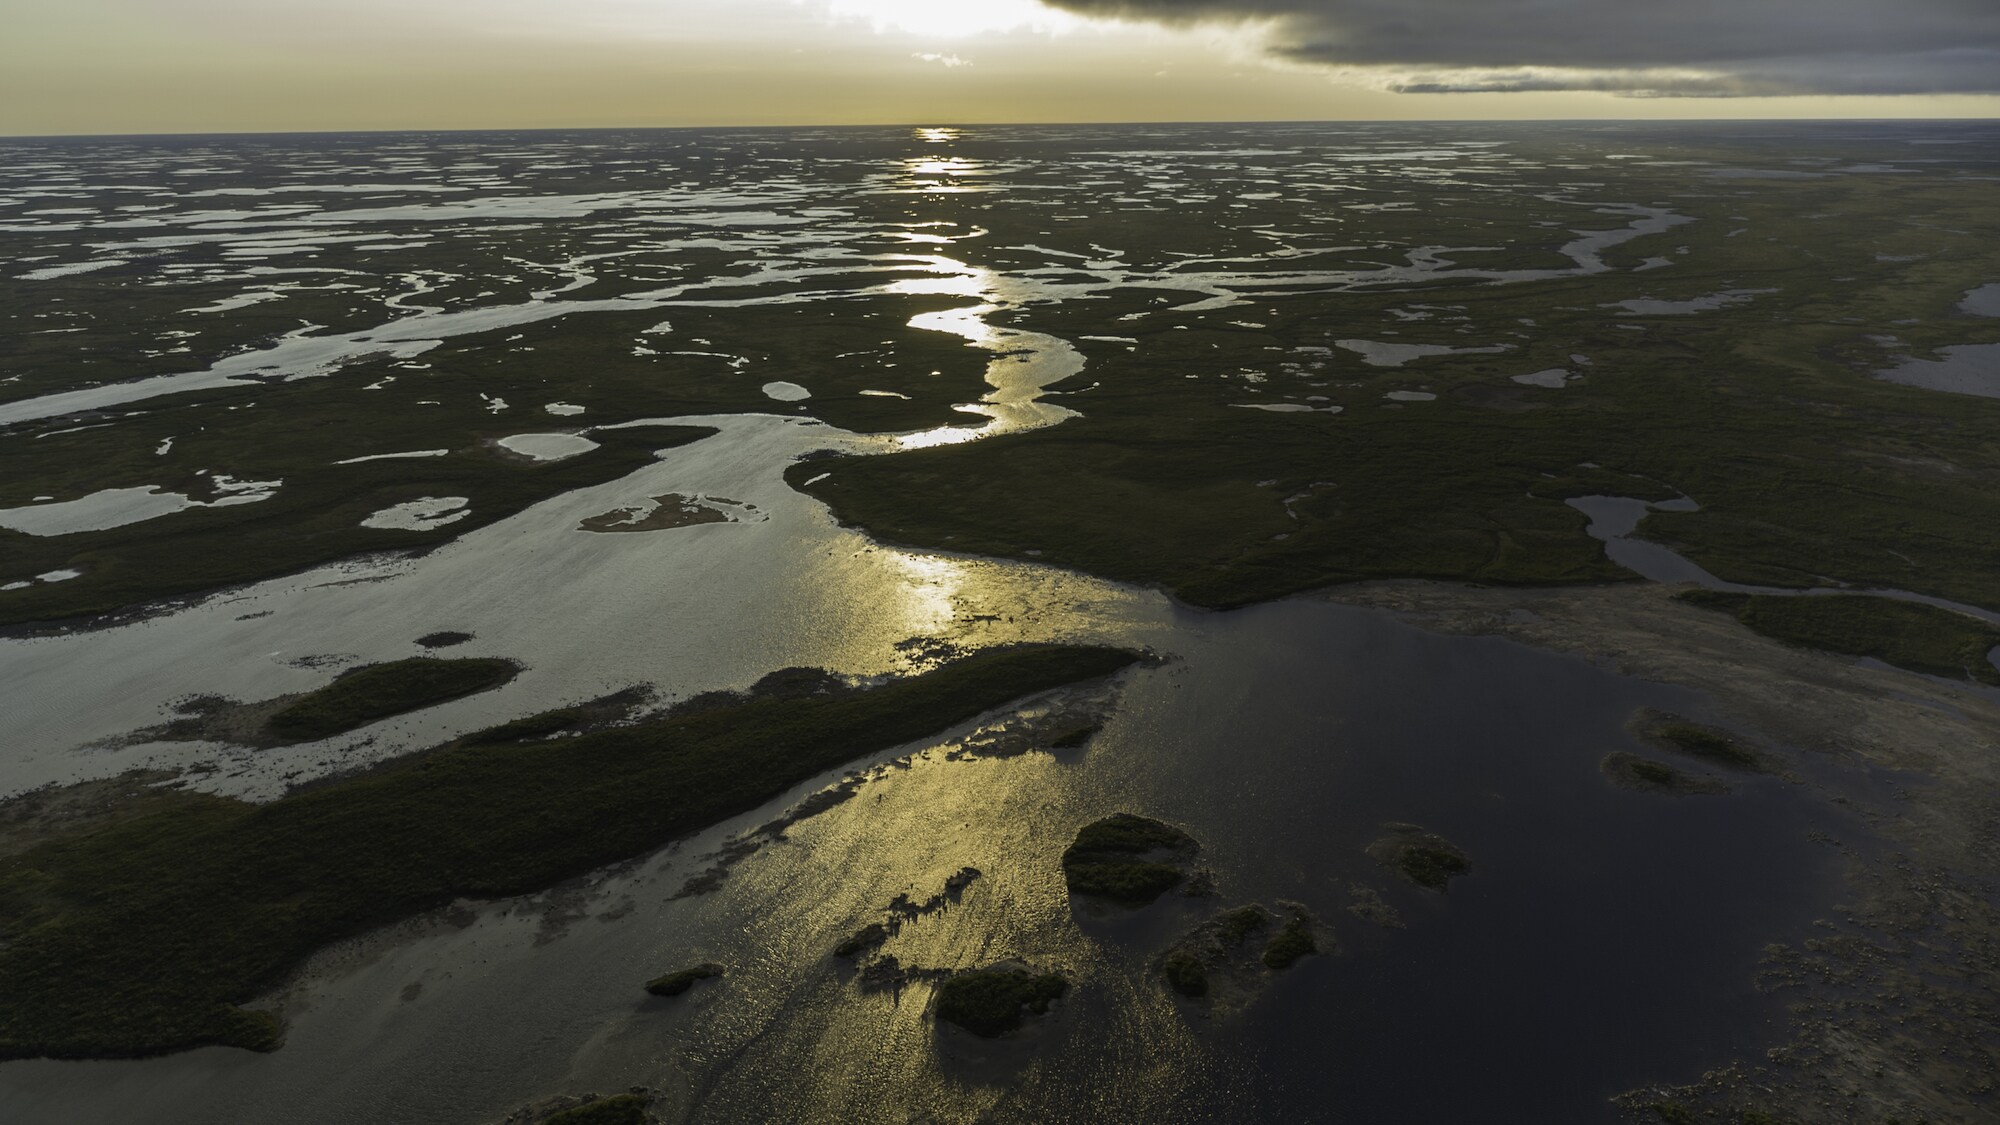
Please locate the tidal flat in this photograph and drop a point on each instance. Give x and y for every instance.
(278, 412)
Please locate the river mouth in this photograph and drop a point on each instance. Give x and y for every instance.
(1604, 938)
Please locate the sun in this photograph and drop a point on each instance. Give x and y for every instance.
(952, 19)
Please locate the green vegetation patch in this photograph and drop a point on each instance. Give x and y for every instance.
(594, 714)
(1921, 638)
(1233, 926)
(1630, 771)
(1070, 740)
(1673, 1113)
(1184, 972)
(1127, 858)
(360, 696)
(1293, 941)
(1710, 744)
(1424, 858)
(675, 983)
(1217, 958)
(991, 1002)
(619, 1109)
(143, 936)
(870, 936)
(1808, 470)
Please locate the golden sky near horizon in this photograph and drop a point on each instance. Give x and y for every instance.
(148, 66)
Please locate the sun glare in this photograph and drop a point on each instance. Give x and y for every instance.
(944, 20)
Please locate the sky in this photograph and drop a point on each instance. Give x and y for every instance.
(166, 66)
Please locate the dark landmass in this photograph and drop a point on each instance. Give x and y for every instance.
(1710, 744)
(992, 1002)
(1081, 736)
(1184, 972)
(1921, 638)
(1127, 858)
(669, 511)
(360, 696)
(675, 983)
(355, 698)
(1293, 941)
(1219, 957)
(146, 935)
(1424, 858)
(870, 936)
(619, 1109)
(444, 639)
(592, 715)
(1809, 472)
(902, 910)
(1630, 771)
(56, 810)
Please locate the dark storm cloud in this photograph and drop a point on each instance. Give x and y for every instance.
(1714, 48)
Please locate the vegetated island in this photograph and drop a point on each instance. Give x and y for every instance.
(991, 1002)
(1220, 948)
(1423, 857)
(1127, 858)
(146, 935)
(354, 699)
(1921, 638)
(1672, 733)
(679, 981)
(615, 1109)
(1631, 771)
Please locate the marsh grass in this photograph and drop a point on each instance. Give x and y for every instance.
(1710, 744)
(678, 982)
(1127, 858)
(1292, 941)
(619, 1109)
(360, 696)
(1921, 638)
(144, 936)
(991, 1002)
(1630, 771)
(1424, 858)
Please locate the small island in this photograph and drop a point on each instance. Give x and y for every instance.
(1128, 858)
(1219, 955)
(1674, 734)
(1630, 771)
(619, 1109)
(676, 983)
(1423, 857)
(993, 1001)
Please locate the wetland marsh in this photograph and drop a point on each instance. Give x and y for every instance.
(871, 411)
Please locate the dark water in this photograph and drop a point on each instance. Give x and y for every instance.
(1606, 938)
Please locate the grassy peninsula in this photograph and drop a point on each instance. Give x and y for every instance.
(1921, 638)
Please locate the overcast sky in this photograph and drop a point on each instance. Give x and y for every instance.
(95, 66)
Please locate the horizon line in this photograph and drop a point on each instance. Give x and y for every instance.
(935, 124)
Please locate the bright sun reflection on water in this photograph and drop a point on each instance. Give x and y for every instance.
(930, 593)
(943, 166)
